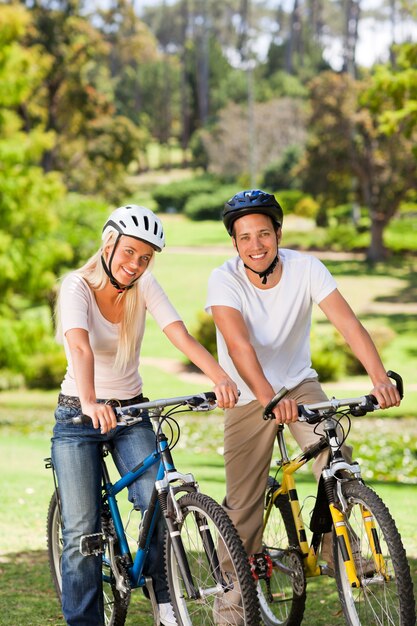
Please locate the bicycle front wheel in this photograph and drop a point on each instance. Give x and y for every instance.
(385, 596)
(115, 602)
(225, 592)
(282, 596)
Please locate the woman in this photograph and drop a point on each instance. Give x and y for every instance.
(101, 321)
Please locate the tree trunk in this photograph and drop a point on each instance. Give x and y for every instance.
(377, 251)
(292, 43)
(185, 101)
(203, 69)
(351, 36)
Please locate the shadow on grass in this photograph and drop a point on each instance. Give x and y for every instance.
(323, 605)
(27, 596)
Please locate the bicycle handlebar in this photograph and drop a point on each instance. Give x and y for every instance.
(130, 414)
(313, 413)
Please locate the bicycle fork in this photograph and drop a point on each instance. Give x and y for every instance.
(344, 542)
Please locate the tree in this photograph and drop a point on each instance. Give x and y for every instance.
(362, 144)
(278, 124)
(78, 98)
(29, 254)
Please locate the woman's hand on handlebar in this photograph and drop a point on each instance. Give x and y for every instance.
(226, 393)
(102, 415)
(286, 411)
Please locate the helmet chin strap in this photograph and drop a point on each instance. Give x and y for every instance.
(264, 275)
(113, 281)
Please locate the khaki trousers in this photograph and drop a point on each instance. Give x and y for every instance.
(248, 447)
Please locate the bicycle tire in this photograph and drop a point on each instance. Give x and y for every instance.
(54, 543)
(115, 605)
(232, 598)
(283, 604)
(379, 600)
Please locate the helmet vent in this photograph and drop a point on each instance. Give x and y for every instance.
(155, 229)
(146, 222)
(123, 224)
(135, 220)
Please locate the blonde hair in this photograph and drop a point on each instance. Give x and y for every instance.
(93, 273)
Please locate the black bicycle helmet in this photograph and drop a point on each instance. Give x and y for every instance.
(251, 201)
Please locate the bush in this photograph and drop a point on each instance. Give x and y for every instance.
(28, 352)
(306, 207)
(172, 198)
(205, 332)
(382, 336)
(288, 199)
(208, 206)
(10, 380)
(46, 370)
(280, 173)
(327, 359)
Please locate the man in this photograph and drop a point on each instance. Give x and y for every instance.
(261, 302)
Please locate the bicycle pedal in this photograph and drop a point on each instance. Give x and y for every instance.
(261, 566)
(92, 545)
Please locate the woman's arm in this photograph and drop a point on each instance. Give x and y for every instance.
(339, 313)
(224, 388)
(102, 415)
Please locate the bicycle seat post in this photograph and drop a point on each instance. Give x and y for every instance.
(282, 445)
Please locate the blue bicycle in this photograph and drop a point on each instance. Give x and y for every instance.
(207, 569)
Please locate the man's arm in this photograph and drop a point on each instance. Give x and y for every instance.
(339, 313)
(232, 326)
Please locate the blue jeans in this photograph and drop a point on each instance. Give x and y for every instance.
(76, 457)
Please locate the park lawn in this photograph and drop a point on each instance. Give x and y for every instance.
(23, 561)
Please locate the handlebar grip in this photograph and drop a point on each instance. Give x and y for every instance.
(398, 382)
(268, 414)
(81, 420)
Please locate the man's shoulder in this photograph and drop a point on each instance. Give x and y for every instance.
(297, 258)
(230, 266)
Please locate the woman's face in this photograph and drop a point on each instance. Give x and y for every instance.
(130, 260)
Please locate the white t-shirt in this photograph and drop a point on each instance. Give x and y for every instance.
(79, 309)
(278, 319)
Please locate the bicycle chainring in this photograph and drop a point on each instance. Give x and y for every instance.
(295, 563)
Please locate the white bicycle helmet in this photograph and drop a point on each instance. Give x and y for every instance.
(133, 221)
(136, 221)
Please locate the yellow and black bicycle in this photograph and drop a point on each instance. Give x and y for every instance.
(369, 561)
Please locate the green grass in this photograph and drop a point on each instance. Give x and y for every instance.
(26, 594)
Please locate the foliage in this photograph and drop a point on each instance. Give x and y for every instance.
(209, 206)
(92, 144)
(280, 174)
(362, 144)
(173, 197)
(289, 198)
(205, 332)
(277, 124)
(307, 207)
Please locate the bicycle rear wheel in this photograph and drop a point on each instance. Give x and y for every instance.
(218, 564)
(115, 603)
(282, 597)
(386, 592)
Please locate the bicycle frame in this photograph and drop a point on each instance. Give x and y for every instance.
(166, 474)
(337, 508)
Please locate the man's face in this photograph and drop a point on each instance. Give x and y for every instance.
(256, 240)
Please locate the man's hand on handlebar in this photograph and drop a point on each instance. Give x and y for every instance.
(286, 411)
(386, 394)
